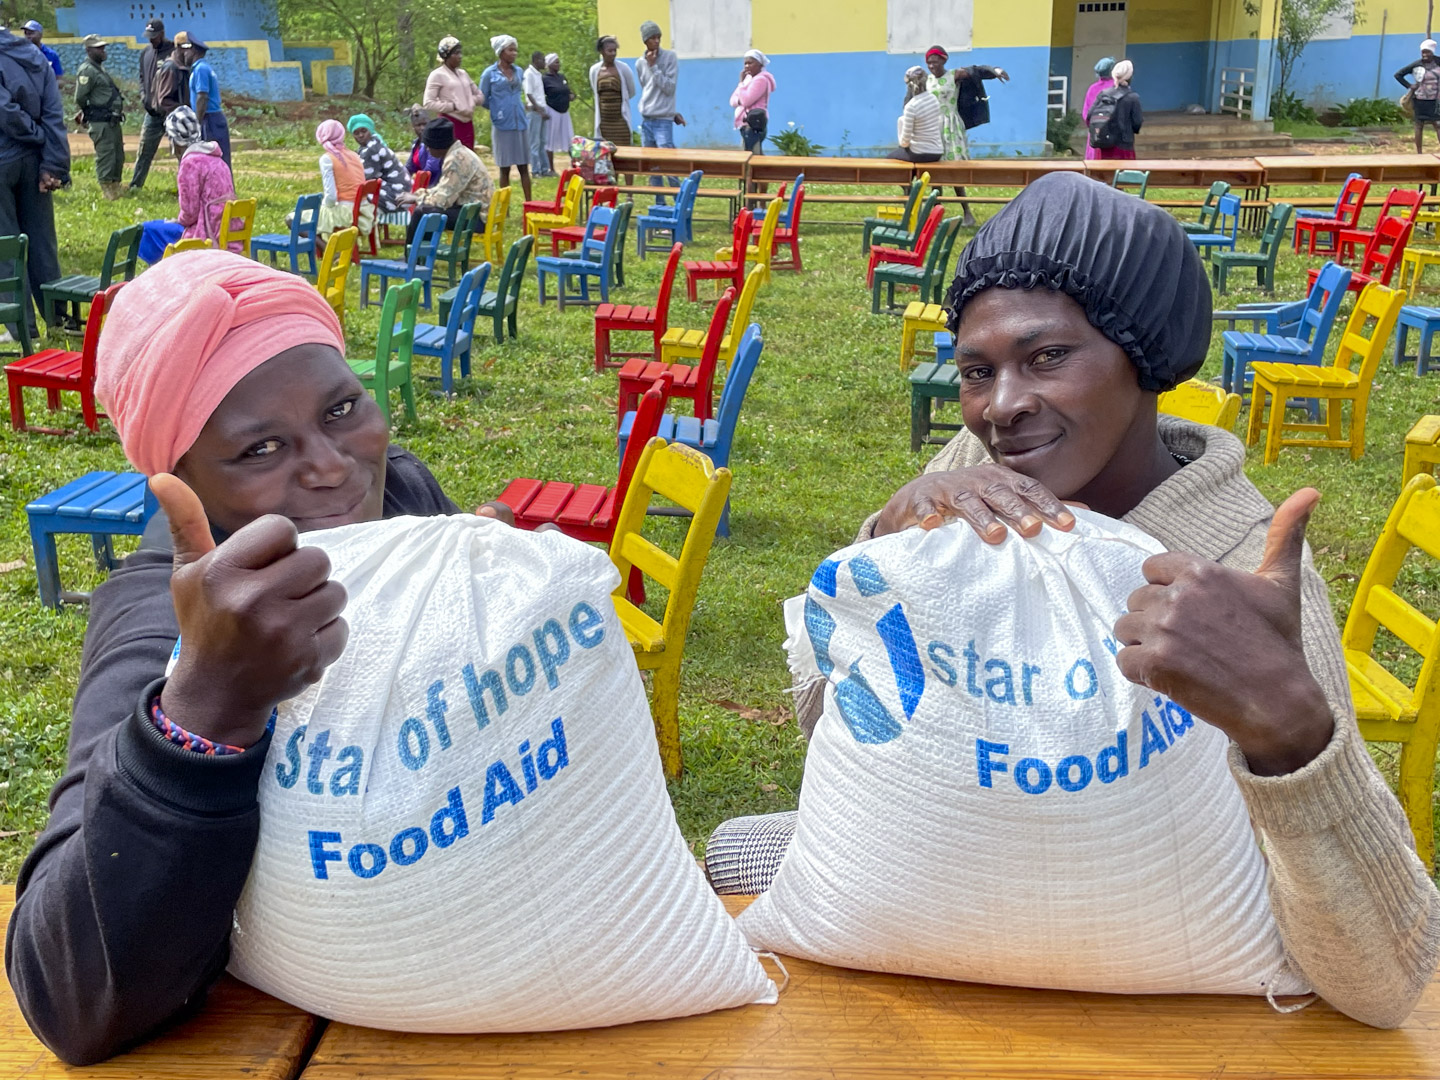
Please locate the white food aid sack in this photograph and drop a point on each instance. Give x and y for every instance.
(464, 825)
(987, 798)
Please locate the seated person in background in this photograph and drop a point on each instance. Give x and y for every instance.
(341, 174)
(1072, 309)
(229, 377)
(464, 180)
(204, 183)
(919, 127)
(380, 162)
(420, 157)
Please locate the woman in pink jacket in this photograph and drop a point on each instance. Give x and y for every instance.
(1102, 82)
(205, 184)
(751, 101)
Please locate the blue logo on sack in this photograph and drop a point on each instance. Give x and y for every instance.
(864, 713)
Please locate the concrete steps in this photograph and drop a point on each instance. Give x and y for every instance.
(1182, 135)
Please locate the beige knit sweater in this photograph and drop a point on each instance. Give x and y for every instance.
(1359, 917)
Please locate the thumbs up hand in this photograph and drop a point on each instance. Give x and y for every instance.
(259, 619)
(1226, 645)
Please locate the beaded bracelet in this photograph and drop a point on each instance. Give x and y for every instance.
(178, 735)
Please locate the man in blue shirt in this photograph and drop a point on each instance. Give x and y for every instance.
(33, 32)
(204, 91)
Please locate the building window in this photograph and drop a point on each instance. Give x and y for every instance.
(703, 28)
(912, 26)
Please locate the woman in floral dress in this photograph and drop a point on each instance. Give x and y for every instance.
(942, 84)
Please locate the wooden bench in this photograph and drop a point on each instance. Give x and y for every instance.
(239, 1033)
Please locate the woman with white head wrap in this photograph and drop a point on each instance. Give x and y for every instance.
(450, 92)
(751, 101)
(1424, 92)
(558, 96)
(502, 91)
(919, 129)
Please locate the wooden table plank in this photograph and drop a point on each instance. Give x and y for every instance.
(830, 170)
(663, 161)
(850, 1025)
(1333, 169)
(1201, 173)
(240, 1033)
(996, 172)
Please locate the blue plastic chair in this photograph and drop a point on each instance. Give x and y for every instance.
(1306, 346)
(100, 504)
(677, 222)
(451, 342)
(788, 214)
(1227, 210)
(1425, 321)
(593, 259)
(418, 265)
(299, 241)
(713, 437)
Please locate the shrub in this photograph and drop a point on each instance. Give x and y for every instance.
(1288, 106)
(791, 142)
(1059, 130)
(1370, 112)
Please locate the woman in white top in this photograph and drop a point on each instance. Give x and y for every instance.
(920, 126)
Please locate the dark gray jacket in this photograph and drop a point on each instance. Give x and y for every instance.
(32, 120)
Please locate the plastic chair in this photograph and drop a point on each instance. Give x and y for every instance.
(686, 477)
(676, 221)
(1124, 178)
(455, 253)
(897, 216)
(236, 210)
(1202, 403)
(763, 249)
(1425, 321)
(1382, 255)
(368, 192)
(723, 270)
(15, 313)
(501, 304)
(713, 438)
(1208, 210)
(537, 222)
(906, 238)
(385, 373)
(919, 318)
(1263, 260)
(98, 504)
(1334, 211)
(303, 225)
(1227, 209)
(122, 257)
(418, 182)
(450, 342)
(787, 232)
(188, 243)
(418, 264)
(1352, 201)
(1332, 385)
(492, 236)
(588, 262)
(1305, 346)
(571, 236)
(655, 321)
(58, 371)
(1270, 316)
(1422, 449)
(905, 256)
(693, 381)
(928, 278)
(1398, 199)
(334, 271)
(547, 206)
(1387, 709)
(680, 344)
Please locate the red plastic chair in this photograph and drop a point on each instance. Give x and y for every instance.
(1398, 200)
(59, 370)
(572, 235)
(369, 191)
(1352, 201)
(641, 320)
(1382, 255)
(542, 206)
(903, 256)
(696, 382)
(731, 269)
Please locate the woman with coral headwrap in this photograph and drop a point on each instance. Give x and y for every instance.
(341, 174)
(228, 385)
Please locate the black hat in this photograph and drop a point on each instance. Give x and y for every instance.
(155, 26)
(1125, 261)
(439, 134)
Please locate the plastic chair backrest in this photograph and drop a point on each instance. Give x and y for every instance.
(737, 381)
(1376, 310)
(765, 245)
(1410, 199)
(605, 196)
(493, 237)
(334, 269)
(911, 199)
(369, 192)
(685, 198)
(740, 235)
(466, 303)
(562, 188)
(512, 274)
(1340, 197)
(94, 323)
(1210, 207)
(927, 234)
(574, 196)
(402, 340)
(1132, 176)
(307, 213)
(1227, 208)
(1322, 305)
(788, 214)
(1385, 248)
(420, 180)
(916, 209)
(647, 424)
(1202, 403)
(714, 336)
(15, 250)
(667, 284)
(424, 243)
(1352, 201)
(1274, 231)
(600, 217)
(244, 209)
(464, 232)
(744, 305)
(130, 237)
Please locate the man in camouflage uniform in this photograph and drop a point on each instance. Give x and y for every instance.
(101, 108)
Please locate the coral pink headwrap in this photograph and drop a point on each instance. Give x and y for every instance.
(183, 333)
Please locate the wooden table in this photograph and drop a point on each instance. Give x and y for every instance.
(830, 170)
(240, 1033)
(1173, 173)
(1380, 168)
(851, 1025)
(732, 165)
(996, 172)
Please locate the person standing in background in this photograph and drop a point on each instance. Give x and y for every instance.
(1102, 82)
(502, 92)
(450, 93)
(172, 83)
(100, 108)
(204, 92)
(1126, 116)
(35, 34)
(536, 116)
(612, 84)
(659, 74)
(1424, 92)
(558, 96)
(751, 102)
(156, 53)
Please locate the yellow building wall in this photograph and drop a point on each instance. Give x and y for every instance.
(1158, 22)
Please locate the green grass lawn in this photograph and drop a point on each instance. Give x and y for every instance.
(823, 442)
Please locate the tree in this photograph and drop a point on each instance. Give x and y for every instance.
(1301, 21)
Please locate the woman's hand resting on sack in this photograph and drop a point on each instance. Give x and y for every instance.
(1222, 643)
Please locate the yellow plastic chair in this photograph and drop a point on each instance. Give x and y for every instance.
(1422, 448)
(895, 213)
(1387, 709)
(920, 318)
(1202, 402)
(189, 243)
(334, 270)
(1414, 261)
(492, 238)
(763, 250)
(689, 478)
(569, 214)
(681, 344)
(244, 209)
(1332, 384)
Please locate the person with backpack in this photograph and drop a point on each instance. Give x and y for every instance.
(1102, 82)
(1115, 119)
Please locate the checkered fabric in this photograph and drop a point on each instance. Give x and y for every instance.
(744, 853)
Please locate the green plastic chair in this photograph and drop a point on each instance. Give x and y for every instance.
(1210, 211)
(892, 235)
(1131, 177)
(385, 373)
(122, 257)
(929, 279)
(16, 313)
(500, 304)
(1271, 240)
(873, 223)
(455, 253)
